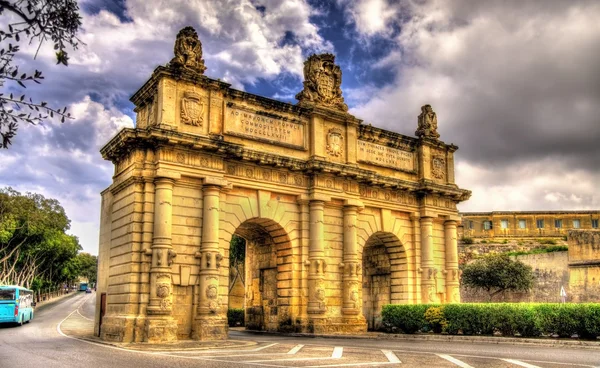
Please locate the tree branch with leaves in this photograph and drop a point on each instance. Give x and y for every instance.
(57, 21)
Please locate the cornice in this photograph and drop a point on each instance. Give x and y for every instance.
(129, 139)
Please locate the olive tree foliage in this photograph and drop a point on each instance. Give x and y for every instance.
(497, 273)
(237, 257)
(35, 250)
(31, 21)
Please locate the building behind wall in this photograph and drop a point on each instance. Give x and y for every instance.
(339, 217)
(525, 223)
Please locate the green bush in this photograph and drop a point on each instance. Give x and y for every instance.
(466, 240)
(408, 318)
(435, 319)
(547, 241)
(235, 317)
(509, 319)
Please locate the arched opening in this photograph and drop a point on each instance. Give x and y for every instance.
(384, 276)
(265, 243)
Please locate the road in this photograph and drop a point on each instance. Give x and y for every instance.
(41, 344)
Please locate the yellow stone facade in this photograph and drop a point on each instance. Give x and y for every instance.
(339, 217)
(525, 223)
(584, 265)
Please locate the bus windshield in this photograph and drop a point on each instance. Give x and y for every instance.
(7, 294)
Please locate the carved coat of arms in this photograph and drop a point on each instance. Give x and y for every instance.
(192, 109)
(335, 142)
(438, 167)
(322, 81)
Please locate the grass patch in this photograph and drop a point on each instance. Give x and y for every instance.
(551, 249)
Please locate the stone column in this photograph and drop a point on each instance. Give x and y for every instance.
(160, 326)
(452, 275)
(416, 238)
(428, 271)
(210, 323)
(351, 269)
(316, 261)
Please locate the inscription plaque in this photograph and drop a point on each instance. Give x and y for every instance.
(380, 155)
(269, 128)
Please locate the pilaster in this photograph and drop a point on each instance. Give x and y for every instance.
(316, 262)
(210, 321)
(428, 271)
(160, 326)
(452, 272)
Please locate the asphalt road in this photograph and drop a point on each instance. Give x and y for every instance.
(40, 344)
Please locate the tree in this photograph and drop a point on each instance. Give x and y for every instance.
(88, 266)
(237, 256)
(39, 21)
(34, 246)
(497, 273)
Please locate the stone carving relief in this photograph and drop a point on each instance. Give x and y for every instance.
(212, 294)
(427, 127)
(152, 113)
(192, 109)
(188, 51)
(322, 81)
(438, 167)
(335, 142)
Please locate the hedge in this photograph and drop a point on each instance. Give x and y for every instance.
(235, 317)
(508, 319)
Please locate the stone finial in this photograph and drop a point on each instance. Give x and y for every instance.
(188, 51)
(322, 81)
(427, 123)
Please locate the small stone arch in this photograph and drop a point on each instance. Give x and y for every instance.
(384, 276)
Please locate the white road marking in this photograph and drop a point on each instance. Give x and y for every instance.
(347, 365)
(338, 351)
(288, 359)
(295, 349)
(391, 356)
(522, 364)
(459, 363)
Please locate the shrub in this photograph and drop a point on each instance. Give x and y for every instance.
(235, 317)
(510, 319)
(408, 318)
(484, 241)
(435, 319)
(547, 241)
(466, 240)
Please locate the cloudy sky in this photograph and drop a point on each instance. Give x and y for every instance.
(515, 84)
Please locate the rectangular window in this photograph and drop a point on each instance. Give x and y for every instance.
(540, 224)
(595, 224)
(576, 224)
(7, 294)
(558, 224)
(504, 224)
(522, 224)
(487, 225)
(471, 225)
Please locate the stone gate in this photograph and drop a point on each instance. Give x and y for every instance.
(340, 217)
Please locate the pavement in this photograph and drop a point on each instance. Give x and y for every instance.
(80, 324)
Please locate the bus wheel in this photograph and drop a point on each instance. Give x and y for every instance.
(20, 323)
(30, 318)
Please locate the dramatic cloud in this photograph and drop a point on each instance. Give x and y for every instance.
(514, 83)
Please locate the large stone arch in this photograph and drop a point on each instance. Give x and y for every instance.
(266, 220)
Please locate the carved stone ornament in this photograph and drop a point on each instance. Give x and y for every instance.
(427, 127)
(188, 51)
(335, 142)
(192, 109)
(438, 167)
(322, 81)
(212, 295)
(163, 290)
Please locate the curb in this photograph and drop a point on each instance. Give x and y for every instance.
(550, 342)
(42, 305)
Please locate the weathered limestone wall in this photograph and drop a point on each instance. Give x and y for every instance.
(584, 265)
(551, 272)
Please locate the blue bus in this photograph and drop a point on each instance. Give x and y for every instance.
(83, 286)
(16, 304)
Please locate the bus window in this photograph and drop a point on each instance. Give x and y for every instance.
(7, 294)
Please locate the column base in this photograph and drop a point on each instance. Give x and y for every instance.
(210, 329)
(118, 328)
(160, 329)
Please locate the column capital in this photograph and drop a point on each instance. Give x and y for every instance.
(167, 174)
(214, 181)
(353, 204)
(450, 223)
